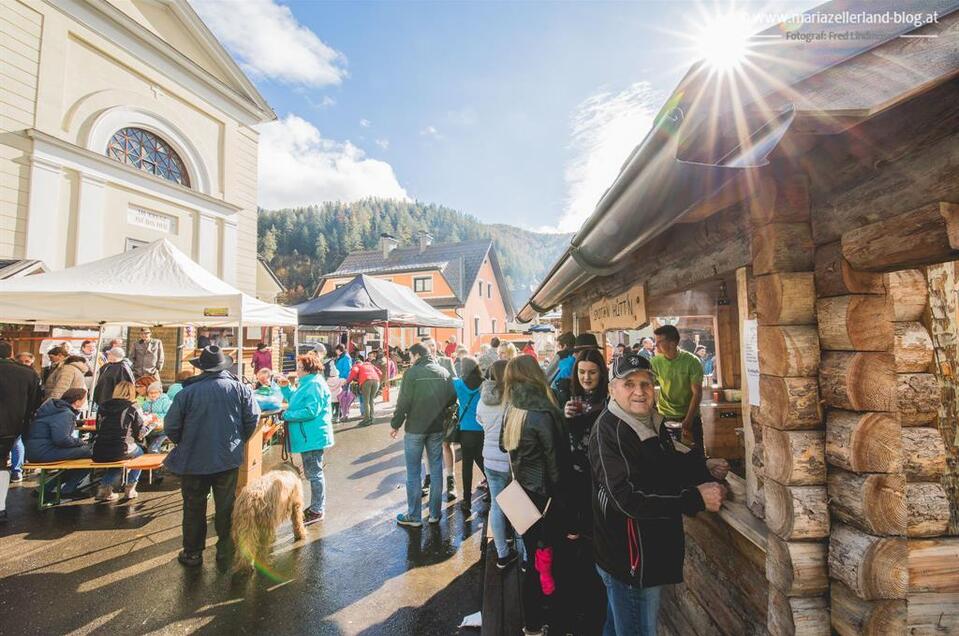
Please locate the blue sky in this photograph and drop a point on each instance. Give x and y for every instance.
(514, 112)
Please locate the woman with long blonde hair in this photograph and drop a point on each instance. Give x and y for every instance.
(534, 435)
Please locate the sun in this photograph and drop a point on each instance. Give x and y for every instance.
(723, 41)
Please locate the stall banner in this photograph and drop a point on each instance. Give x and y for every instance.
(623, 311)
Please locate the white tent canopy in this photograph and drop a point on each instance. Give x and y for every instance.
(154, 285)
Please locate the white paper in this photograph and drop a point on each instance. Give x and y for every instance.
(473, 620)
(751, 359)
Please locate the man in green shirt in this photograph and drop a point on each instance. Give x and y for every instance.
(680, 376)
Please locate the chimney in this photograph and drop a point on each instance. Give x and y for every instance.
(388, 243)
(426, 239)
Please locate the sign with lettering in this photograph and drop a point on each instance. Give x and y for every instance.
(216, 312)
(152, 220)
(623, 311)
(750, 352)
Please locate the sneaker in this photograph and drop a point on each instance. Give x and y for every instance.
(312, 517)
(130, 491)
(190, 560)
(16, 478)
(406, 520)
(450, 488)
(105, 493)
(434, 520)
(504, 562)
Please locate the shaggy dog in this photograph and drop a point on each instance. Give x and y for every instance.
(260, 508)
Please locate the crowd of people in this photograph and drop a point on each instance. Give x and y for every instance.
(587, 442)
(593, 450)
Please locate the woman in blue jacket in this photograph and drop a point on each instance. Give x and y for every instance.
(471, 432)
(310, 428)
(53, 437)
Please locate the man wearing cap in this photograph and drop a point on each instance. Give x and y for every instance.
(210, 420)
(642, 486)
(117, 369)
(147, 355)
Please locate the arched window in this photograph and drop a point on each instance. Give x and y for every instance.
(142, 149)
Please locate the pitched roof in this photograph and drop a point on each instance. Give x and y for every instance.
(459, 263)
(16, 267)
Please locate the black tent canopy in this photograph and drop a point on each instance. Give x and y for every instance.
(367, 301)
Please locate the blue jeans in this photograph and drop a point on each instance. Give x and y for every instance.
(313, 467)
(497, 520)
(630, 610)
(16, 458)
(413, 445)
(113, 475)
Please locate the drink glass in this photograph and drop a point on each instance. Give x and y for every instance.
(675, 430)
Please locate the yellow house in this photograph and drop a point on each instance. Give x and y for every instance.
(121, 122)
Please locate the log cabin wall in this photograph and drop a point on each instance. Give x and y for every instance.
(883, 209)
(793, 434)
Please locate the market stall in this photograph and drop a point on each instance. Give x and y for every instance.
(371, 302)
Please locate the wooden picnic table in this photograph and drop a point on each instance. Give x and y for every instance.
(148, 462)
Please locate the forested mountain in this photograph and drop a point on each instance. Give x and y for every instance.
(302, 244)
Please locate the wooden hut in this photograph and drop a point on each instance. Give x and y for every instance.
(841, 259)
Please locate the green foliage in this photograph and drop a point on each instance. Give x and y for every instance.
(303, 244)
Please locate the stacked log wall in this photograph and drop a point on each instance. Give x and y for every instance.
(885, 457)
(792, 432)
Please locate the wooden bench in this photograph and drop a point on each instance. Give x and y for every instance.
(53, 470)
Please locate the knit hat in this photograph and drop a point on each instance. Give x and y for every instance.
(117, 352)
(468, 365)
(156, 386)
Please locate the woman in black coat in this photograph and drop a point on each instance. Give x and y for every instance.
(584, 612)
(534, 435)
(119, 425)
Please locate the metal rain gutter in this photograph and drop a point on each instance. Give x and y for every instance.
(653, 191)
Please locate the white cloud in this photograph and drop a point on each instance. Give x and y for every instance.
(299, 167)
(383, 143)
(605, 129)
(365, 123)
(269, 42)
(431, 131)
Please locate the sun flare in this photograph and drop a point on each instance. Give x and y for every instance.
(723, 42)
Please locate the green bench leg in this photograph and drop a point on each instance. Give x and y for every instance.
(44, 479)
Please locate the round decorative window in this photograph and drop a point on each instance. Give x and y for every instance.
(144, 150)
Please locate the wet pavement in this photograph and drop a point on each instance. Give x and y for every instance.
(85, 568)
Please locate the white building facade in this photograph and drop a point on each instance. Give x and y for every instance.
(122, 122)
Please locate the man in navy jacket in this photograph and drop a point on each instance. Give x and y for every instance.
(642, 486)
(210, 420)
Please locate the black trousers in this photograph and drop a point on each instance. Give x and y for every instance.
(195, 489)
(471, 448)
(6, 445)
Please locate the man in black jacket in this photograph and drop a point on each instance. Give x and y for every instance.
(20, 394)
(642, 486)
(425, 392)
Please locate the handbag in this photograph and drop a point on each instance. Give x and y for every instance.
(451, 424)
(451, 420)
(516, 504)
